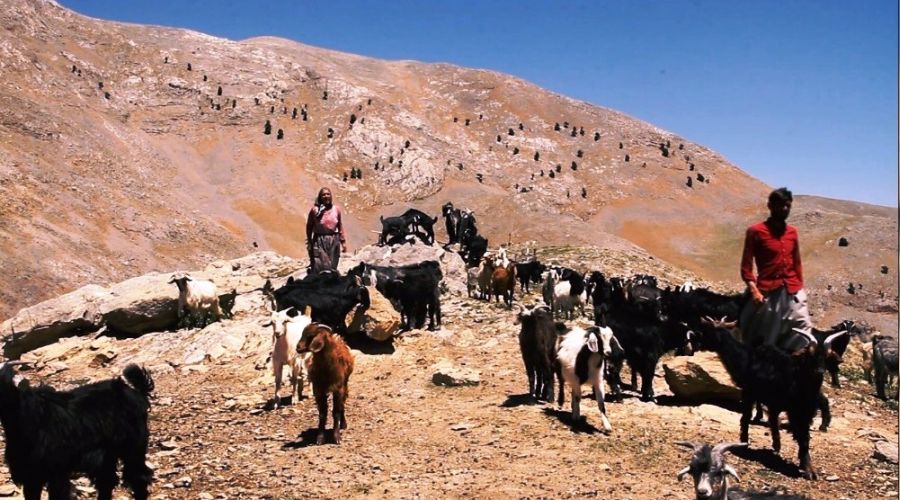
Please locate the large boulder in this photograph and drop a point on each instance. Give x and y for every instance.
(138, 305)
(379, 322)
(700, 378)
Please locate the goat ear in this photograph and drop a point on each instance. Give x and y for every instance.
(307, 311)
(731, 472)
(592, 343)
(318, 343)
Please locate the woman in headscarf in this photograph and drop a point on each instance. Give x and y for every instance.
(325, 238)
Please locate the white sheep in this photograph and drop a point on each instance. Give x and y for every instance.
(196, 297)
(577, 369)
(286, 333)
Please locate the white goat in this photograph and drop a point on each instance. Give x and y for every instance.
(196, 296)
(564, 302)
(286, 333)
(577, 369)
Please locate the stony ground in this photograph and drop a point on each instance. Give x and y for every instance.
(215, 436)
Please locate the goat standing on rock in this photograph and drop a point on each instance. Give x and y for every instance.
(196, 297)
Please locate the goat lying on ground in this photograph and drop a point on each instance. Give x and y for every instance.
(710, 474)
(329, 372)
(50, 435)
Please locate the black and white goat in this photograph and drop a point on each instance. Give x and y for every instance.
(582, 357)
(709, 470)
(50, 435)
(710, 473)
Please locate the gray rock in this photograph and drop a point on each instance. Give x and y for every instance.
(447, 374)
(700, 378)
(8, 490)
(885, 451)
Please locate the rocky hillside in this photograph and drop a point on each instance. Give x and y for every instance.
(126, 149)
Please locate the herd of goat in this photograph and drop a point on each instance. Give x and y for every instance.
(52, 434)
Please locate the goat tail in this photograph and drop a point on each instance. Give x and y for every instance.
(139, 378)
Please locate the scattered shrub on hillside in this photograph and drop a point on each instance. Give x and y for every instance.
(542, 172)
(369, 102)
(556, 127)
(581, 131)
(106, 95)
(565, 124)
(511, 132)
(498, 137)
(189, 67)
(280, 134)
(267, 128)
(627, 158)
(515, 151)
(218, 107)
(680, 147)
(467, 122)
(479, 177)
(406, 144)
(559, 167)
(521, 127)
(391, 159)
(580, 153)
(325, 95)
(583, 192)
(271, 109)
(352, 118)
(574, 132)
(552, 175)
(690, 182)
(256, 99)
(700, 177)
(455, 119)
(537, 156)
(459, 166)
(219, 92)
(233, 103)
(294, 114)
(665, 150)
(166, 60)
(574, 165)
(481, 116)
(100, 85)
(691, 167)
(330, 132)
(621, 145)
(596, 136)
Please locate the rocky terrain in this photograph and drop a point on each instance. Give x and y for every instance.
(214, 434)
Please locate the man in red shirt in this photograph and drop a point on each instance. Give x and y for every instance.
(778, 311)
(325, 238)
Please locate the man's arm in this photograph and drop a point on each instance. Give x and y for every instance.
(747, 266)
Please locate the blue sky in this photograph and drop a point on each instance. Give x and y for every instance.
(798, 94)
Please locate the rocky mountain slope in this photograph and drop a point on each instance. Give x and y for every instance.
(126, 149)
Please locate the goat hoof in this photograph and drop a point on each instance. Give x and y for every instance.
(823, 428)
(809, 474)
(337, 436)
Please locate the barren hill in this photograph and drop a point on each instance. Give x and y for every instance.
(126, 149)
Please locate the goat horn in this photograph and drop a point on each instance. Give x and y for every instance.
(806, 334)
(831, 337)
(723, 447)
(730, 470)
(683, 472)
(689, 444)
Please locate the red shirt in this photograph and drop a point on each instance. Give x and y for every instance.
(327, 222)
(777, 258)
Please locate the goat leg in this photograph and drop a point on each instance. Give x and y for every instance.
(774, 428)
(32, 490)
(322, 406)
(59, 488)
(601, 399)
(746, 412)
(825, 407)
(278, 369)
(337, 410)
(576, 405)
(801, 433)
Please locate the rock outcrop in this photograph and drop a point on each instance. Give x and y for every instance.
(700, 378)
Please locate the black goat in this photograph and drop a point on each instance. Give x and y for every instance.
(452, 216)
(782, 381)
(884, 362)
(50, 435)
(537, 342)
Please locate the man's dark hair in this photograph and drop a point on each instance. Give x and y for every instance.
(781, 195)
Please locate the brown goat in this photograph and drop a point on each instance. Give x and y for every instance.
(329, 372)
(503, 282)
